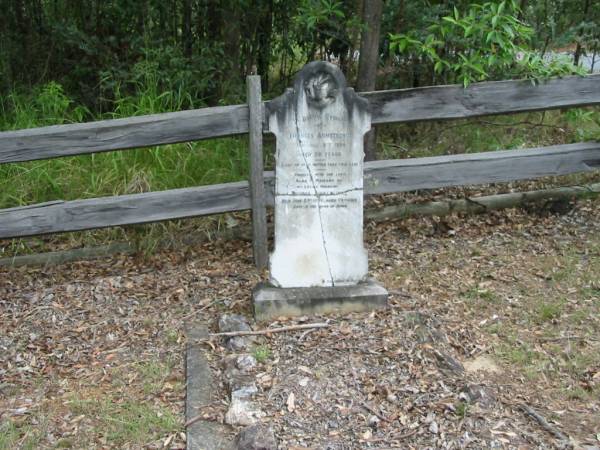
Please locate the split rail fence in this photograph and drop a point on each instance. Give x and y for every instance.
(393, 106)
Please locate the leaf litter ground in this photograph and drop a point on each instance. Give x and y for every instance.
(487, 314)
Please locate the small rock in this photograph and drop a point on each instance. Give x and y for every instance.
(245, 363)
(373, 421)
(236, 379)
(303, 381)
(242, 412)
(235, 322)
(291, 402)
(244, 392)
(447, 362)
(433, 427)
(476, 393)
(237, 343)
(256, 437)
(430, 335)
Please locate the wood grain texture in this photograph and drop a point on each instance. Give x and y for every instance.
(480, 99)
(257, 183)
(479, 168)
(133, 132)
(380, 177)
(103, 212)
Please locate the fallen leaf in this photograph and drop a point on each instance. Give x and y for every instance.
(291, 402)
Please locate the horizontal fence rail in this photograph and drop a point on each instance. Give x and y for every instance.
(482, 99)
(403, 105)
(120, 134)
(380, 177)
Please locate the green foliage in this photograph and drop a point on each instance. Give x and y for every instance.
(114, 173)
(24, 437)
(462, 409)
(46, 105)
(586, 123)
(327, 26)
(547, 311)
(261, 353)
(487, 41)
(129, 421)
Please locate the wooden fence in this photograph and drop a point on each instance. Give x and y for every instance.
(395, 106)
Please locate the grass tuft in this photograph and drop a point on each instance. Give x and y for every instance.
(261, 353)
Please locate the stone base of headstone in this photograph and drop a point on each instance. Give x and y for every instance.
(271, 302)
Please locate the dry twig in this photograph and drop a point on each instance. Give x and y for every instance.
(204, 308)
(569, 338)
(193, 420)
(544, 424)
(272, 330)
(374, 411)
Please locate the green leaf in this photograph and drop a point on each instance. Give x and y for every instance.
(501, 7)
(449, 19)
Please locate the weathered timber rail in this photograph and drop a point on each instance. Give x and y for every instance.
(381, 177)
(402, 105)
(405, 105)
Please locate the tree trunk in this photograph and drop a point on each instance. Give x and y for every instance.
(232, 40)
(368, 62)
(263, 57)
(186, 27)
(522, 8)
(579, 48)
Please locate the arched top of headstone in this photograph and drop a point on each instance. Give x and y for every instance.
(318, 86)
(321, 82)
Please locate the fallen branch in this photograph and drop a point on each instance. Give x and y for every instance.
(399, 437)
(478, 205)
(89, 253)
(374, 411)
(205, 307)
(272, 330)
(545, 425)
(64, 256)
(569, 338)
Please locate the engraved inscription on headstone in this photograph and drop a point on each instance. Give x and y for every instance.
(319, 125)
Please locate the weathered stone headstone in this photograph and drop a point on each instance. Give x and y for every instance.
(319, 253)
(319, 126)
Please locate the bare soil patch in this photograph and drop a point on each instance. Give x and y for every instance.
(91, 354)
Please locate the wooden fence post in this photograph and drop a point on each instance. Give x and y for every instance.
(257, 184)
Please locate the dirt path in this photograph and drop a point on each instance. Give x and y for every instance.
(91, 353)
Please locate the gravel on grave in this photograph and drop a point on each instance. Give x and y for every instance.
(388, 379)
(395, 378)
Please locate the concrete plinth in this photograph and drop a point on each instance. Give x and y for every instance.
(270, 301)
